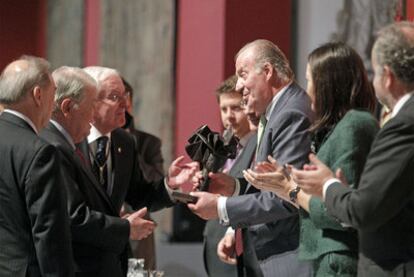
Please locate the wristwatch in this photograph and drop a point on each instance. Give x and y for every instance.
(293, 194)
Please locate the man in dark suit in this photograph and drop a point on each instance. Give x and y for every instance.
(268, 222)
(119, 174)
(232, 117)
(34, 224)
(151, 162)
(99, 235)
(382, 208)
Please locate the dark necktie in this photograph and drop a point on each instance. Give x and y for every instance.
(100, 166)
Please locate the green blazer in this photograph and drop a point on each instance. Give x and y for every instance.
(347, 147)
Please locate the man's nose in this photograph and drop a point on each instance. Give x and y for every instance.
(239, 84)
(123, 102)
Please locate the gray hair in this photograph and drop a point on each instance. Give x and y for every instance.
(16, 84)
(100, 73)
(394, 47)
(267, 52)
(70, 83)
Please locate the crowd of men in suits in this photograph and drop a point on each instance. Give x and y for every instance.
(68, 166)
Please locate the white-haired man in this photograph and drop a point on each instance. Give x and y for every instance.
(99, 236)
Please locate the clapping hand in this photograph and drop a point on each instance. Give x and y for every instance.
(312, 178)
(272, 177)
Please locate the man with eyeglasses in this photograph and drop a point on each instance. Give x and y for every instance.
(111, 152)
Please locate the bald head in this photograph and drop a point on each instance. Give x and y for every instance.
(22, 76)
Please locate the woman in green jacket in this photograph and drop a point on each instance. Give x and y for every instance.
(343, 100)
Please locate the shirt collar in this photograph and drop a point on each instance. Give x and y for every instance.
(63, 131)
(275, 98)
(22, 116)
(95, 134)
(400, 104)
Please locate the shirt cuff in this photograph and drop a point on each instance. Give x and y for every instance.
(327, 184)
(222, 211)
(230, 231)
(169, 191)
(236, 187)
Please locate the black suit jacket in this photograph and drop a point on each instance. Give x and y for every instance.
(34, 225)
(150, 157)
(129, 183)
(99, 236)
(382, 208)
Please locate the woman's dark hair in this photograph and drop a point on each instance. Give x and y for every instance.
(340, 83)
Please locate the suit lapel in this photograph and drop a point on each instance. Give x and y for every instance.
(245, 159)
(266, 143)
(87, 170)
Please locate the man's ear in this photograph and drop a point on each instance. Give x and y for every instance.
(269, 71)
(37, 95)
(388, 77)
(66, 106)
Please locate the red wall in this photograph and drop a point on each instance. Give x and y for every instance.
(209, 34)
(199, 66)
(22, 29)
(248, 20)
(92, 32)
(410, 10)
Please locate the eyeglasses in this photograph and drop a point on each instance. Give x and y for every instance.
(117, 97)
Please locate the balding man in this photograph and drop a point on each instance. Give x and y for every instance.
(34, 225)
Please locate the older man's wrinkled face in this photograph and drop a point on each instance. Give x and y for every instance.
(254, 85)
(82, 114)
(111, 105)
